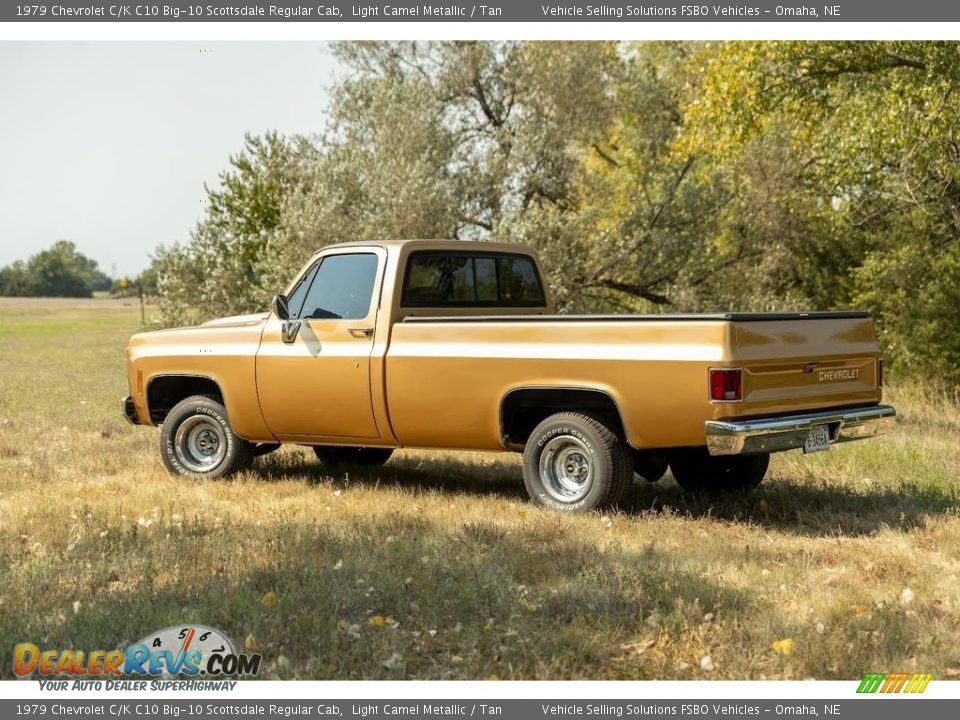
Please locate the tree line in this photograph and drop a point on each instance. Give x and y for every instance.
(63, 271)
(651, 177)
(59, 271)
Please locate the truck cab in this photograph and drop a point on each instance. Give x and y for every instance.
(325, 343)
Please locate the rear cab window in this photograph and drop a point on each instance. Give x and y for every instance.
(440, 279)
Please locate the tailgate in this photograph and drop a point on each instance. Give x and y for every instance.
(807, 363)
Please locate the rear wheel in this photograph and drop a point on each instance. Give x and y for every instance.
(335, 457)
(196, 439)
(576, 463)
(696, 469)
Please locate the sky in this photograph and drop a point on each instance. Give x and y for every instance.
(109, 144)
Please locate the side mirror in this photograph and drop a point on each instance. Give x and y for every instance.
(281, 307)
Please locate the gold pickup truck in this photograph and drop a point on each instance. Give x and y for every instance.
(447, 344)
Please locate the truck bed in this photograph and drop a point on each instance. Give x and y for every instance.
(445, 376)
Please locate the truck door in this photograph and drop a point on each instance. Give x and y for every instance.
(313, 371)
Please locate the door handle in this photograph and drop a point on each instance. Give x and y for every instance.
(361, 332)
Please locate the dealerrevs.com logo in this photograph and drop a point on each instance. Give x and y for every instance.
(185, 650)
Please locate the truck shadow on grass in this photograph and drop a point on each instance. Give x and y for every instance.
(783, 503)
(441, 474)
(794, 506)
(391, 597)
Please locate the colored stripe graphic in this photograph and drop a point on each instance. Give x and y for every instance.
(871, 682)
(894, 683)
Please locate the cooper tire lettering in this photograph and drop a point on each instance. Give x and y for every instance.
(576, 462)
(207, 462)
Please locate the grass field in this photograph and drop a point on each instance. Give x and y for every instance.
(435, 566)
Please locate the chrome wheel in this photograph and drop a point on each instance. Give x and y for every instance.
(200, 443)
(566, 468)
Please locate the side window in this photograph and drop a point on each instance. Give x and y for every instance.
(299, 293)
(342, 288)
(457, 279)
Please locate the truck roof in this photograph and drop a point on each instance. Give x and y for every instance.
(439, 244)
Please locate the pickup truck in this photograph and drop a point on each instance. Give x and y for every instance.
(457, 345)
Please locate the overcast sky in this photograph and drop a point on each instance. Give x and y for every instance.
(110, 144)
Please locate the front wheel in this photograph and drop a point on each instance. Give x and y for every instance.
(196, 439)
(695, 469)
(576, 463)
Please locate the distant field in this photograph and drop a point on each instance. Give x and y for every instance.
(435, 566)
(41, 304)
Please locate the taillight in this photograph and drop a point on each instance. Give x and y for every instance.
(726, 384)
(879, 372)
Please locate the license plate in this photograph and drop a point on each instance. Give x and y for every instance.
(818, 440)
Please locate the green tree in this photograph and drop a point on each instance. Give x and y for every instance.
(382, 170)
(567, 147)
(219, 271)
(59, 271)
(868, 130)
(491, 141)
(467, 140)
(13, 280)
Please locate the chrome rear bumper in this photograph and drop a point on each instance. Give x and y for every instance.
(766, 435)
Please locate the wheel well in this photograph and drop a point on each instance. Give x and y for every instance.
(167, 390)
(523, 409)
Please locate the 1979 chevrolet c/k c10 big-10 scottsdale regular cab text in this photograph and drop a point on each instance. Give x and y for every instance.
(453, 344)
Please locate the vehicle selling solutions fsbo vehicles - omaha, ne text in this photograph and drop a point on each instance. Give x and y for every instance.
(452, 344)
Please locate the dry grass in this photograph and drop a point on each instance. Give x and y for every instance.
(854, 555)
